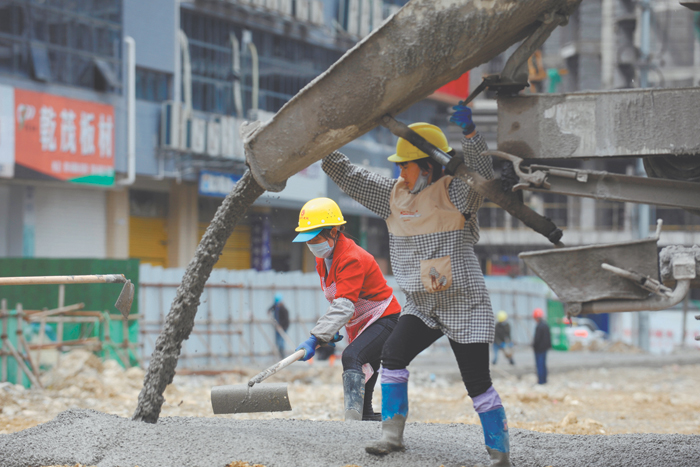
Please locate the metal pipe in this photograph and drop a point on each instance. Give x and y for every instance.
(655, 303)
(256, 79)
(187, 87)
(645, 47)
(130, 112)
(236, 65)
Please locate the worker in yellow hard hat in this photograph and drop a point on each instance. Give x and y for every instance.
(501, 339)
(360, 300)
(433, 226)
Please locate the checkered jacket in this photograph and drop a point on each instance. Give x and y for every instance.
(463, 311)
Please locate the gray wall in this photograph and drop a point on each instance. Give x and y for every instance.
(152, 25)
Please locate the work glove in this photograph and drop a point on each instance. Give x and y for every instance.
(463, 118)
(337, 338)
(309, 347)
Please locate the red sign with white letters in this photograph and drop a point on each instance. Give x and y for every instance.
(63, 139)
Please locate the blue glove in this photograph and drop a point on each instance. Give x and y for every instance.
(309, 347)
(463, 118)
(337, 338)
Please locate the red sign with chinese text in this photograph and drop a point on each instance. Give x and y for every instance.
(64, 139)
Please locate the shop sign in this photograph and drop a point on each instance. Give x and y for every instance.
(217, 184)
(64, 139)
(7, 132)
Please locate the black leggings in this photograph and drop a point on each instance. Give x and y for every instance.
(367, 348)
(411, 336)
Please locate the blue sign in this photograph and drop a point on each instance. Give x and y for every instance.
(218, 184)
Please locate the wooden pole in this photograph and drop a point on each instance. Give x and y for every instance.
(20, 362)
(3, 337)
(37, 280)
(22, 344)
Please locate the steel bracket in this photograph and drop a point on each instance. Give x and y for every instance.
(514, 76)
(604, 185)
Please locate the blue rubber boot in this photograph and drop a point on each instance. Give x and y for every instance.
(394, 414)
(495, 426)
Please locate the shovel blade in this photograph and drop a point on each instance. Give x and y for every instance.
(125, 299)
(240, 398)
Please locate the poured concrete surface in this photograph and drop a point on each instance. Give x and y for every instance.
(93, 438)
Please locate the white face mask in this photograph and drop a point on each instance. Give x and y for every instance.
(421, 182)
(320, 250)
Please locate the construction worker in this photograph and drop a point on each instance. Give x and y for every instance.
(432, 222)
(541, 344)
(360, 300)
(501, 339)
(280, 315)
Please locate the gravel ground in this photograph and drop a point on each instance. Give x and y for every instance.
(93, 438)
(648, 407)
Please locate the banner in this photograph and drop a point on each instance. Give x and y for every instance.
(7, 132)
(63, 139)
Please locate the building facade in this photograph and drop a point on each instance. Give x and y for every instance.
(87, 171)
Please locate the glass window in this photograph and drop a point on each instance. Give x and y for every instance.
(154, 86)
(62, 41)
(286, 65)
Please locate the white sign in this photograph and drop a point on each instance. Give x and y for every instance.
(7, 131)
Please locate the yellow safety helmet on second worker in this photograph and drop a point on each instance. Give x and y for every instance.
(406, 152)
(501, 316)
(317, 214)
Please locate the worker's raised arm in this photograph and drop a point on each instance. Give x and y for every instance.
(464, 198)
(371, 190)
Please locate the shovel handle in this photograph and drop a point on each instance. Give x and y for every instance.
(263, 375)
(93, 279)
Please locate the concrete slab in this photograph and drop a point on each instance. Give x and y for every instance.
(637, 122)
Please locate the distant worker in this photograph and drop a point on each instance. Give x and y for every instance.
(542, 343)
(360, 300)
(501, 338)
(433, 226)
(280, 315)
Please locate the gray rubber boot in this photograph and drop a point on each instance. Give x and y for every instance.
(392, 437)
(498, 459)
(354, 391)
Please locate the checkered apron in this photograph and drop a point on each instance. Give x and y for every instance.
(463, 311)
(366, 313)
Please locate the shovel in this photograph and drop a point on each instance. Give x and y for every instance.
(248, 398)
(124, 301)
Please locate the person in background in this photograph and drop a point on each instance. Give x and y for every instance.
(281, 316)
(541, 344)
(501, 339)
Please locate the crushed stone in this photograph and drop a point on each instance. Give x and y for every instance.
(93, 438)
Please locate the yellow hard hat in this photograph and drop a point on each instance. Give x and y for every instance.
(501, 316)
(317, 214)
(406, 152)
